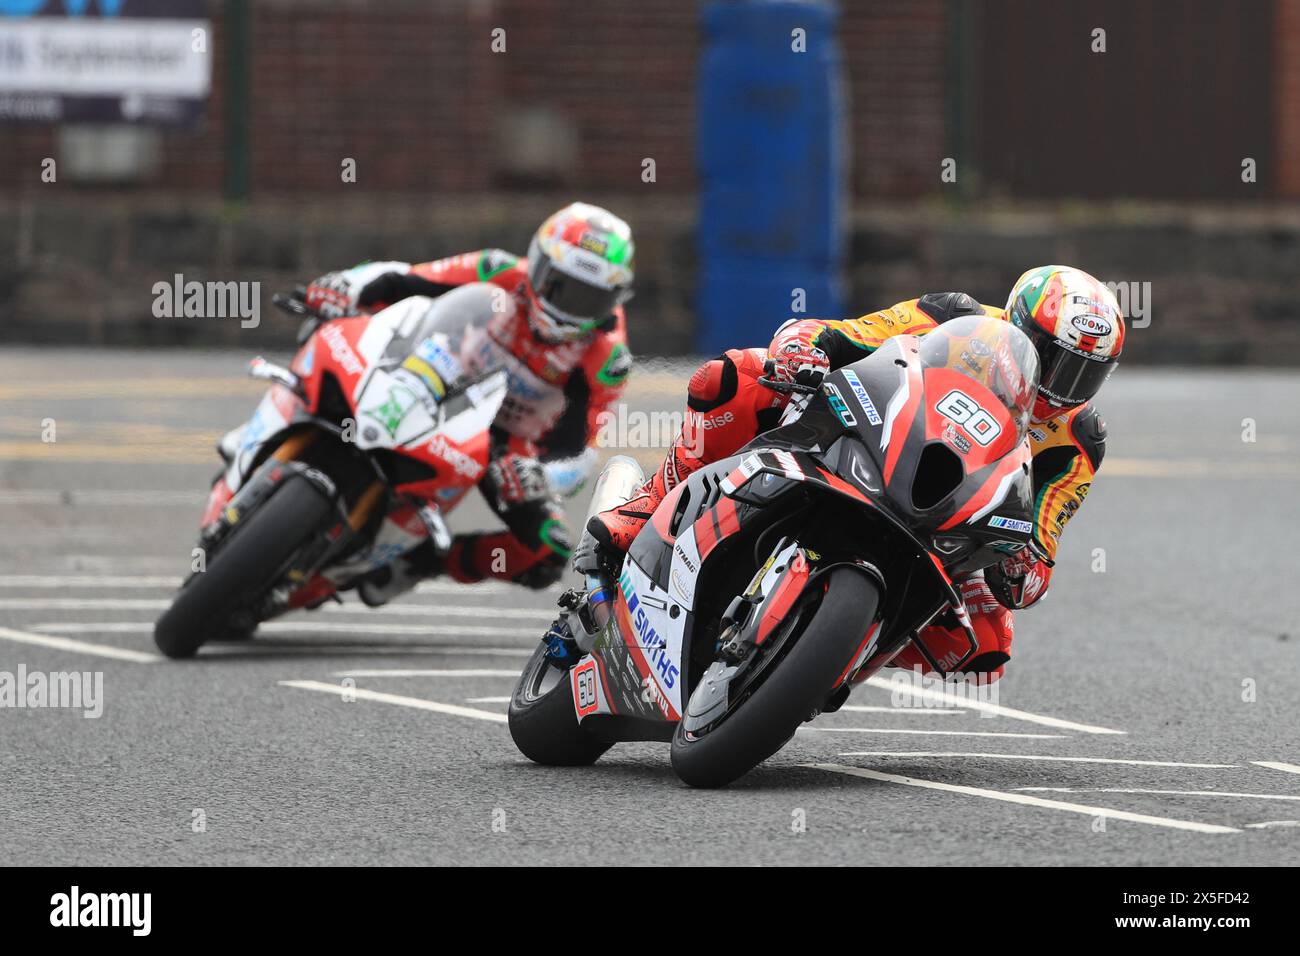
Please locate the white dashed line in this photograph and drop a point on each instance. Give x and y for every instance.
(934, 694)
(904, 711)
(438, 672)
(1170, 793)
(938, 733)
(419, 703)
(1000, 795)
(63, 581)
(127, 581)
(1273, 823)
(947, 754)
(101, 497)
(450, 610)
(159, 604)
(1277, 765)
(79, 647)
(84, 604)
(305, 629)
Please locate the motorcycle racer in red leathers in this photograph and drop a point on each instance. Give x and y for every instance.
(567, 335)
(1077, 329)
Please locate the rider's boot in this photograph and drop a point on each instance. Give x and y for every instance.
(383, 584)
(614, 530)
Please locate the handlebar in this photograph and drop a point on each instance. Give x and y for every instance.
(295, 303)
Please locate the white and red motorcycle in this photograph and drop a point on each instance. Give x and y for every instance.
(359, 449)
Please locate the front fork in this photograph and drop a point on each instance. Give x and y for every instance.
(299, 579)
(584, 614)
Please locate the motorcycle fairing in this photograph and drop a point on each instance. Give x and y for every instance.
(994, 469)
(629, 687)
(768, 473)
(653, 627)
(394, 406)
(433, 422)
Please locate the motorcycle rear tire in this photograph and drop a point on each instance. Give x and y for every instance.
(545, 727)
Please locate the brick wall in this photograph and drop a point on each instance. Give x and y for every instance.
(412, 90)
(896, 55)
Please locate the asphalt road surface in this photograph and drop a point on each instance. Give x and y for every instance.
(1149, 715)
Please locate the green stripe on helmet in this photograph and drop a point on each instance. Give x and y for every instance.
(617, 250)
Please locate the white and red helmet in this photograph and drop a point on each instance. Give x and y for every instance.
(1077, 329)
(580, 268)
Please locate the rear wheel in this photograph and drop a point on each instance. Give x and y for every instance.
(543, 721)
(797, 685)
(250, 558)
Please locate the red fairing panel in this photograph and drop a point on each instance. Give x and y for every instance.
(957, 402)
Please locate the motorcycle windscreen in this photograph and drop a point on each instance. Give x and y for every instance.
(418, 325)
(981, 377)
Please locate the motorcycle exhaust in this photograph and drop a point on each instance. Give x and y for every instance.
(620, 477)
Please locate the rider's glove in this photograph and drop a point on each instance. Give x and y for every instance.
(1020, 580)
(794, 363)
(331, 296)
(516, 479)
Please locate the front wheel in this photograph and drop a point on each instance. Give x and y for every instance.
(247, 563)
(543, 721)
(798, 685)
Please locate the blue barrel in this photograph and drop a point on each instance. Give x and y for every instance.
(772, 159)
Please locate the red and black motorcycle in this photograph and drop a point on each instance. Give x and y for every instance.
(766, 583)
(358, 449)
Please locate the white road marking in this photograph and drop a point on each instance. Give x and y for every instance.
(42, 496)
(934, 694)
(159, 604)
(541, 616)
(1171, 793)
(1026, 801)
(61, 581)
(80, 647)
(482, 587)
(1273, 823)
(487, 700)
(306, 629)
(929, 711)
(84, 604)
(443, 672)
(1277, 765)
(253, 649)
(940, 753)
(941, 733)
(47, 581)
(419, 703)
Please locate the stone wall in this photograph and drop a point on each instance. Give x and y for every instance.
(1224, 284)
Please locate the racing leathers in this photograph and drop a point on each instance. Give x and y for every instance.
(730, 400)
(557, 392)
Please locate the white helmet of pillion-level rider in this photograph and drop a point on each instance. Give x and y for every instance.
(580, 268)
